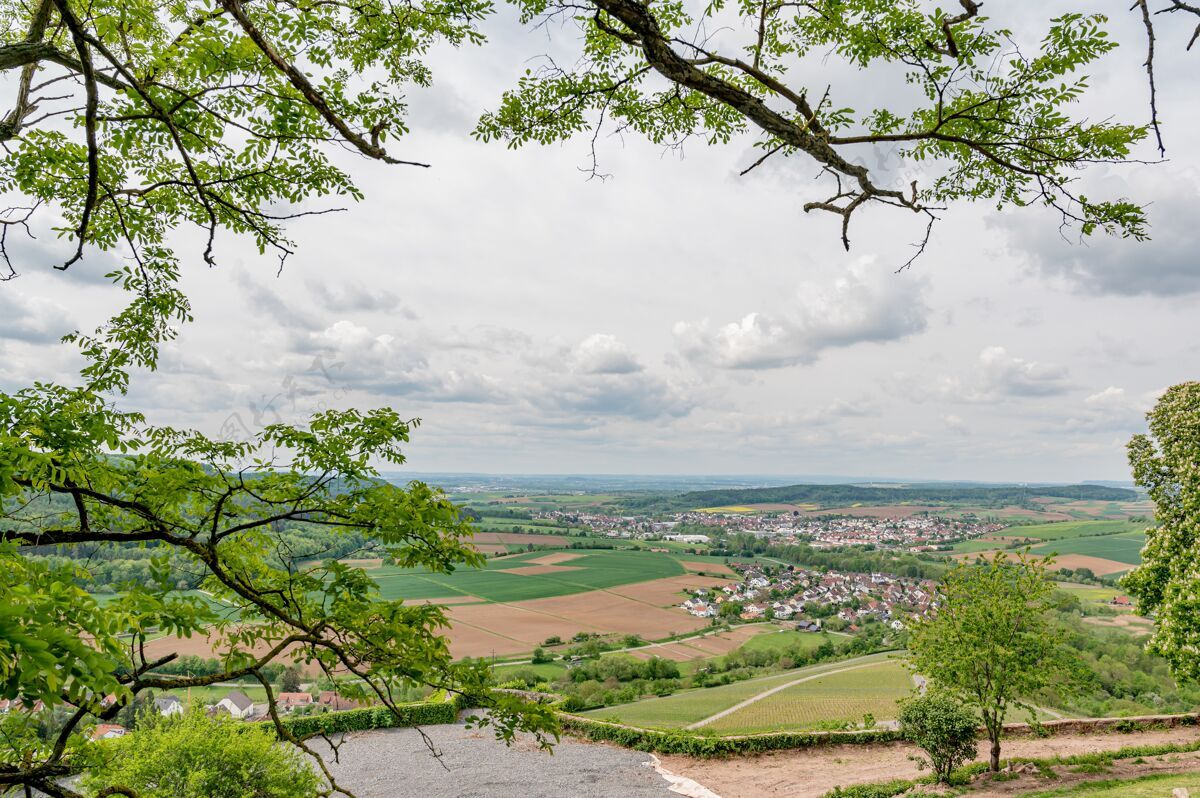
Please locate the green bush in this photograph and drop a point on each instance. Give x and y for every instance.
(423, 714)
(942, 728)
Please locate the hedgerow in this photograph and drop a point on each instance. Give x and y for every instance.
(422, 714)
(710, 746)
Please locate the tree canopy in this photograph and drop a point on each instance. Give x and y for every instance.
(1166, 462)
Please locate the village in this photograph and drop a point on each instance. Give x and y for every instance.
(235, 704)
(916, 532)
(790, 594)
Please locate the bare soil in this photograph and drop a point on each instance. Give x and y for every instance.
(534, 570)
(812, 772)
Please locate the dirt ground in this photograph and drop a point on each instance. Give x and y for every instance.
(707, 567)
(555, 558)
(520, 538)
(813, 772)
(666, 592)
(1098, 565)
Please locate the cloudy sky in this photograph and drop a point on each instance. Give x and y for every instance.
(677, 318)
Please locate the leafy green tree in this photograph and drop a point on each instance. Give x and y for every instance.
(729, 610)
(987, 120)
(942, 728)
(992, 642)
(1166, 462)
(192, 756)
(289, 680)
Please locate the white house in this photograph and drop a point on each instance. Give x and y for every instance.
(168, 705)
(237, 704)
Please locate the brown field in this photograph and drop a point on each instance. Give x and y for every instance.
(204, 647)
(368, 563)
(555, 558)
(1021, 512)
(717, 645)
(519, 538)
(490, 548)
(712, 568)
(1098, 565)
(533, 570)
(470, 641)
(666, 592)
(610, 612)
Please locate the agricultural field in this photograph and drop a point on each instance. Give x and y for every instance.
(1074, 529)
(691, 706)
(514, 578)
(844, 696)
(1125, 547)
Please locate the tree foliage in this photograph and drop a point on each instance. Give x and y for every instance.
(1166, 462)
(982, 117)
(942, 728)
(992, 642)
(192, 756)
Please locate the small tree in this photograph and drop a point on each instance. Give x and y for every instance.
(942, 728)
(730, 610)
(992, 643)
(289, 680)
(540, 656)
(198, 757)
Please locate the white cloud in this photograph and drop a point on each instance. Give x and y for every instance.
(1001, 375)
(866, 304)
(604, 354)
(31, 318)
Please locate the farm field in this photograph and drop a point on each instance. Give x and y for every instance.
(495, 582)
(1125, 547)
(846, 696)
(691, 706)
(1074, 529)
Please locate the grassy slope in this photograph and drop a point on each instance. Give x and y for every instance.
(1125, 547)
(690, 706)
(1159, 786)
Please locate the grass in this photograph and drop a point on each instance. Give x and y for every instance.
(1156, 786)
(211, 695)
(1095, 593)
(689, 706)
(546, 670)
(1064, 530)
(779, 641)
(594, 570)
(1125, 547)
(846, 696)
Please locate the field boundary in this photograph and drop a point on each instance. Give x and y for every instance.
(708, 746)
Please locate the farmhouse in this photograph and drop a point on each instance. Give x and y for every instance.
(289, 702)
(168, 705)
(237, 704)
(107, 731)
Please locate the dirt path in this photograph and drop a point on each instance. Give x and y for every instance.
(813, 772)
(774, 690)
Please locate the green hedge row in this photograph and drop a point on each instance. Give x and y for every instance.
(422, 714)
(706, 746)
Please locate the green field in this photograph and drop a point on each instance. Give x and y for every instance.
(595, 570)
(846, 696)
(690, 706)
(1073, 529)
(1125, 547)
(1090, 592)
(779, 641)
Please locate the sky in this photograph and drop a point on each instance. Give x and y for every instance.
(675, 318)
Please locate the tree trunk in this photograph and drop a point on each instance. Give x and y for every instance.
(994, 761)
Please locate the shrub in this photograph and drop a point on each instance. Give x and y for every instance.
(941, 728)
(194, 756)
(541, 656)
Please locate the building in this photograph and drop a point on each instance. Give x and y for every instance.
(237, 704)
(168, 705)
(289, 702)
(107, 731)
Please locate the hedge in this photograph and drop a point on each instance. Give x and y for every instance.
(708, 746)
(420, 714)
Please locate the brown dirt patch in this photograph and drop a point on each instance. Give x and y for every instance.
(490, 548)
(555, 558)
(610, 612)
(718, 645)
(207, 648)
(527, 626)
(707, 567)
(534, 570)
(1098, 565)
(520, 538)
(1134, 623)
(812, 772)
(666, 592)
(365, 563)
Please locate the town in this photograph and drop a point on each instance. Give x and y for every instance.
(788, 593)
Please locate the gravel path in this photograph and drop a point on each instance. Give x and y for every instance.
(395, 763)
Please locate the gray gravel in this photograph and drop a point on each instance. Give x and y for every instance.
(396, 762)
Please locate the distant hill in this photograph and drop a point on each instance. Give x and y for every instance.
(842, 495)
